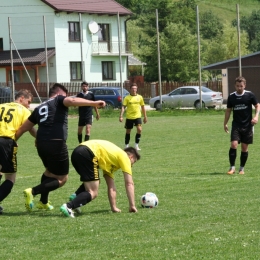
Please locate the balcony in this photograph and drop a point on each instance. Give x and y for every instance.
(104, 48)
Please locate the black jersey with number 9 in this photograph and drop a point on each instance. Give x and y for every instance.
(52, 119)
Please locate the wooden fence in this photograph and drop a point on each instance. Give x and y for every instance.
(144, 89)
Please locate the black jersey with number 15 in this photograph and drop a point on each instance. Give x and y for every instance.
(242, 108)
(52, 119)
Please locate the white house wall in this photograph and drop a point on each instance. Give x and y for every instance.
(26, 19)
(27, 32)
(71, 51)
(51, 70)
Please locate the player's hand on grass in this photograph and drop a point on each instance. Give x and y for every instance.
(132, 209)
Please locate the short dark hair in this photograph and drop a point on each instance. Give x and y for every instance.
(84, 83)
(55, 89)
(133, 85)
(133, 151)
(240, 79)
(25, 93)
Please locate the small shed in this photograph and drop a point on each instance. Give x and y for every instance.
(250, 67)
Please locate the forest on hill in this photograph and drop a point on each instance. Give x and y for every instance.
(178, 34)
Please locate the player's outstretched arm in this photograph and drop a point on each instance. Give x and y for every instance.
(130, 191)
(78, 102)
(33, 132)
(111, 193)
(26, 126)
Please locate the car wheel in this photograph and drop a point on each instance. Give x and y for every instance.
(157, 105)
(197, 105)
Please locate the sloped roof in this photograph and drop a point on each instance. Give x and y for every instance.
(88, 6)
(134, 61)
(29, 57)
(252, 59)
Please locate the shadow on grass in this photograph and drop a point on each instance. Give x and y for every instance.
(208, 173)
(39, 213)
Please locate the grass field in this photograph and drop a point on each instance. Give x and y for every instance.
(226, 10)
(202, 214)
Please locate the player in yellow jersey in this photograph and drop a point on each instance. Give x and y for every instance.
(12, 116)
(87, 158)
(133, 104)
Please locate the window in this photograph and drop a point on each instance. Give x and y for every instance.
(107, 70)
(191, 91)
(75, 71)
(1, 44)
(74, 32)
(176, 92)
(103, 33)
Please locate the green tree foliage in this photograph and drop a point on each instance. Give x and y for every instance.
(251, 25)
(178, 40)
(179, 55)
(224, 47)
(210, 25)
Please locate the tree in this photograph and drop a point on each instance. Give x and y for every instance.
(224, 47)
(210, 25)
(179, 55)
(251, 25)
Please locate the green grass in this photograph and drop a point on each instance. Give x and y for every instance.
(202, 214)
(226, 9)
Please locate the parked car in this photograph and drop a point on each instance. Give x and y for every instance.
(5, 95)
(188, 96)
(111, 95)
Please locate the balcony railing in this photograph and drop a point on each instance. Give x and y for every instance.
(108, 48)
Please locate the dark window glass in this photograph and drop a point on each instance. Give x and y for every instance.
(107, 70)
(75, 71)
(74, 32)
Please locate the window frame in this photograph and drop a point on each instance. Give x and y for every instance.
(78, 71)
(109, 67)
(104, 31)
(74, 35)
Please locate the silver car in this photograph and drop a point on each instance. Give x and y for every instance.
(188, 96)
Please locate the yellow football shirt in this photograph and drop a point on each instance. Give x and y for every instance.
(12, 116)
(133, 104)
(110, 157)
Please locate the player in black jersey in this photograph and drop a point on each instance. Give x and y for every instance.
(85, 113)
(240, 102)
(52, 119)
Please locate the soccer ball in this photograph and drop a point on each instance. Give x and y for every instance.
(149, 200)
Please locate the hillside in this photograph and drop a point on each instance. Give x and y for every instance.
(226, 9)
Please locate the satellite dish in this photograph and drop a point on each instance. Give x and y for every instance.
(93, 27)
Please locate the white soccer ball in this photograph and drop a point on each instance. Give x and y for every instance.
(149, 200)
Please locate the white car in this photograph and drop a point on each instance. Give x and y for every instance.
(188, 96)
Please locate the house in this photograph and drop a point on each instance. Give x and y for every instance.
(250, 68)
(64, 41)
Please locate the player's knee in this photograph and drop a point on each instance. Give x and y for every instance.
(63, 180)
(93, 193)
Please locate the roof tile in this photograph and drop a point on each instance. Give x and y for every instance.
(88, 6)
